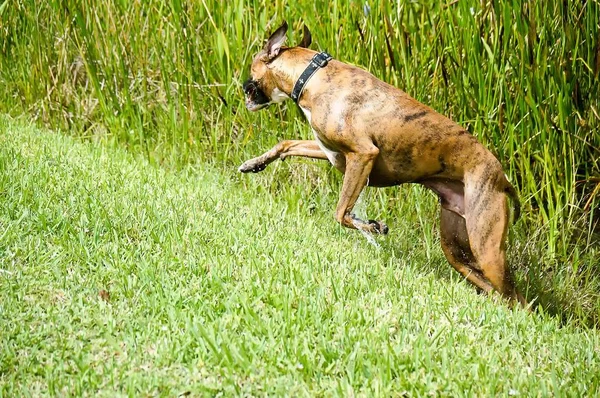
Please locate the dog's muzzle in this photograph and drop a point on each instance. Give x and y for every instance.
(255, 98)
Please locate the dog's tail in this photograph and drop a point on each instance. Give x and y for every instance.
(512, 193)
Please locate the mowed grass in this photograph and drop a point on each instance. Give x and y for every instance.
(118, 277)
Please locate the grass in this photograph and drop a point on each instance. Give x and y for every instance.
(168, 224)
(120, 277)
(163, 78)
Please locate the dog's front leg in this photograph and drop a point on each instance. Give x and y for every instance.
(358, 168)
(303, 148)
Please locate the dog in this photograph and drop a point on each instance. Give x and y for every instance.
(377, 135)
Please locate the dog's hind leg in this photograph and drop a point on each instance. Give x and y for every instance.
(456, 248)
(487, 217)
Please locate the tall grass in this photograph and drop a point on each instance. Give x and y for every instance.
(164, 77)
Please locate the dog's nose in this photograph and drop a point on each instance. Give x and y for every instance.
(248, 86)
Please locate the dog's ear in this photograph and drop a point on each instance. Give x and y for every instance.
(275, 42)
(306, 39)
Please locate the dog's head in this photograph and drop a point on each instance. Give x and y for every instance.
(261, 88)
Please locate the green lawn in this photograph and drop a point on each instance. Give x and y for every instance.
(119, 277)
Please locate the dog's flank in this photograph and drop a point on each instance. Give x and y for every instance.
(377, 135)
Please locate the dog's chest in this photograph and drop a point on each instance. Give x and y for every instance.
(335, 158)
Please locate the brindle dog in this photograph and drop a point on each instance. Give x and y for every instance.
(377, 135)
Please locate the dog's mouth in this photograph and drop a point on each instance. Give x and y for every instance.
(256, 99)
(253, 107)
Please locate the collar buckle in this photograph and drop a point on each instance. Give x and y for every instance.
(322, 59)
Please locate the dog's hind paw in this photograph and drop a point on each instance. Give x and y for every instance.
(379, 227)
(252, 166)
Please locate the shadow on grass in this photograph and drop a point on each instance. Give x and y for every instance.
(567, 289)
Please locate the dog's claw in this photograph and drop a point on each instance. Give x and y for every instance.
(251, 166)
(379, 227)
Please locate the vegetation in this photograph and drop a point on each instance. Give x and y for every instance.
(162, 78)
(165, 76)
(118, 277)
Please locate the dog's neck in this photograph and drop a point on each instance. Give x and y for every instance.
(288, 67)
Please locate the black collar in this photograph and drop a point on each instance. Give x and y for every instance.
(320, 60)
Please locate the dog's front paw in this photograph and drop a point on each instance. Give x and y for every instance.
(379, 227)
(253, 166)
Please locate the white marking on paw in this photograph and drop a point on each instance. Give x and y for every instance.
(360, 210)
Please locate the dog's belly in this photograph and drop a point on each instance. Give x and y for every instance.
(380, 181)
(395, 168)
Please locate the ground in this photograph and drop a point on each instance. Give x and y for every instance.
(119, 277)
